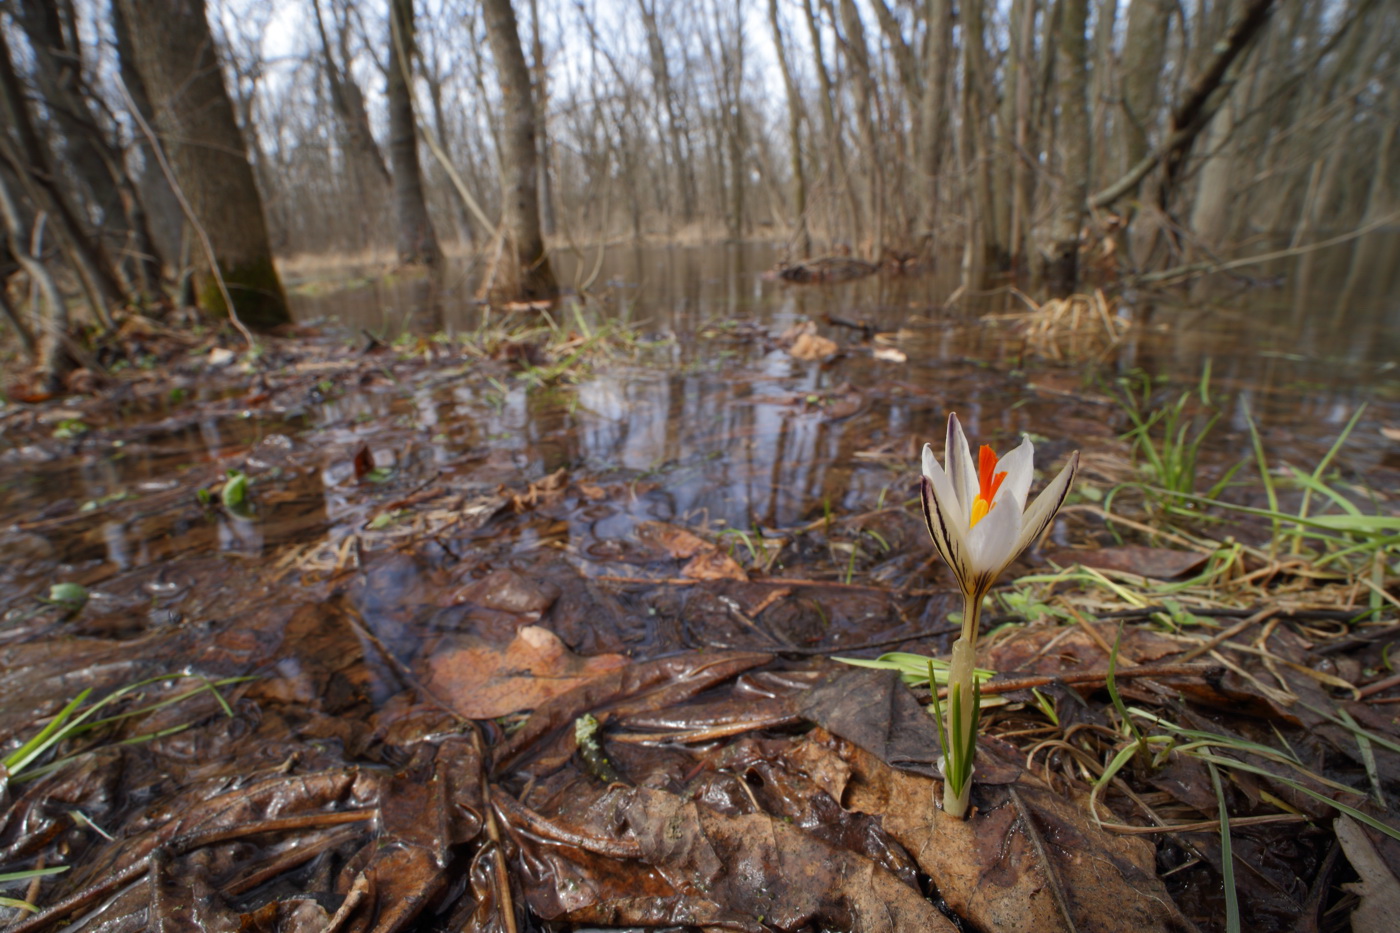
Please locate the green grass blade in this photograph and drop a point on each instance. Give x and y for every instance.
(938, 715)
(17, 759)
(1312, 484)
(1352, 726)
(1227, 856)
(32, 873)
(1124, 755)
(1263, 464)
(1322, 466)
(1321, 798)
(1111, 681)
(1368, 758)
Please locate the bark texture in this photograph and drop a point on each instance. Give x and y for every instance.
(417, 240)
(518, 154)
(108, 193)
(1071, 145)
(174, 53)
(802, 240)
(28, 157)
(933, 116)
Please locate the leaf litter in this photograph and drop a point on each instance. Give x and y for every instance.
(553, 692)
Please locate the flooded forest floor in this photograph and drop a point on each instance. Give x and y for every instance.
(538, 626)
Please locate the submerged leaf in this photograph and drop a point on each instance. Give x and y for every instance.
(483, 681)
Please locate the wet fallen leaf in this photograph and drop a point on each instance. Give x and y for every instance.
(1379, 888)
(672, 539)
(651, 685)
(1157, 562)
(538, 491)
(1050, 650)
(483, 681)
(1026, 859)
(765, 868)
(813, 347)
(874, 710)
(508, 591)
(291, 916)
(714, 564)
(748, 871)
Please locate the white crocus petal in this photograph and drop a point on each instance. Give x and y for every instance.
(944, 516)
(1019, 466)
(962, 469)
(1042, 510)
(992, 544)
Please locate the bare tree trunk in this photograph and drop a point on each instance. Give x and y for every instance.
(417, 240)
(16, 322)
(1382, 199)
(978, 104)
(541, 97)
(1103, 92)
(837, 168)
(906, 61)
(802, 238)
(1015, 127)
(1071, 145)
(163, 217)
(92, 156)
(464, 206)
(175, 55)
(867, 107)
(368, 172)
(675, 130)
(934, 116)
(728, 69)
(49, 354)
(1144, 54)
(1212, 207)
(348, 100)
(522, 208)
(28, 157)
(1357, 54)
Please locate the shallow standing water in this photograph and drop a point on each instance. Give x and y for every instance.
(725, 429)
(414, 504)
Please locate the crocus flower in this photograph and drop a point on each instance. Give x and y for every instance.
(976, 512)
(977, 516)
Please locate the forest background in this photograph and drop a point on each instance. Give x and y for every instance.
(148, 141)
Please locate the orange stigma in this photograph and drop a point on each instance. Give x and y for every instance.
(988, 482)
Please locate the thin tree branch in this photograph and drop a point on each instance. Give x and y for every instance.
(1196, 109)
(1205, 268)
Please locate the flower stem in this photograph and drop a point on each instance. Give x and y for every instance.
(962, 715)
(972, 618)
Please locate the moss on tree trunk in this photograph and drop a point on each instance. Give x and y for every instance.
(255, 289)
